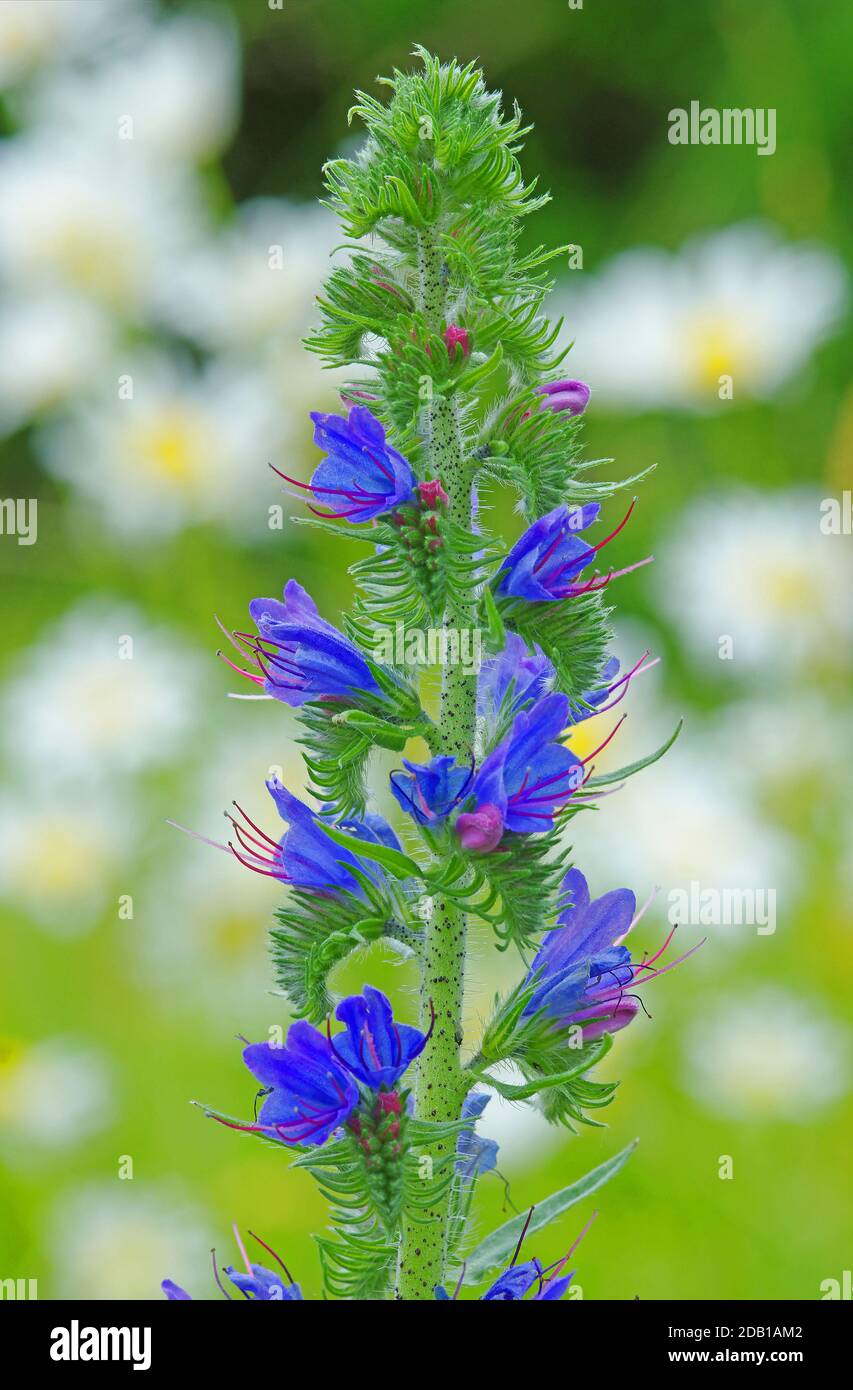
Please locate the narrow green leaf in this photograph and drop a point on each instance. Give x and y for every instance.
(495, 630)
(606, 778)
(476, 376)
(498, 1247)
(592, 1055)
(397, 864)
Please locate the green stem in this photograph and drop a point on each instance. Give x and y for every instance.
(441, 1086)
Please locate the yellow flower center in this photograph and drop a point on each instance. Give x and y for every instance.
(95, 259)
(715, 347)
(59, 859)
(175, 447)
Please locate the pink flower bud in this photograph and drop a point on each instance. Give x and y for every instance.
(453, 337)
(481, 830)
(432, 494)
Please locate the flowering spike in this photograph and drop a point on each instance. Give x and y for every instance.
(432, 210)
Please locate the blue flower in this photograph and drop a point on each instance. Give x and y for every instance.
(553, 1288)
(580, 971)
(298, 656)
(475, 1155)
(305, 856)
(259, 1284)
(514, 1283)
(518, 1280)
(362, 476)
(310, 1082)
(263, 1286)
(374, 1048)
(515, 672)
(309, 1093)
(525, 780)
(174, 1292)
(431, 790)
(544, 563)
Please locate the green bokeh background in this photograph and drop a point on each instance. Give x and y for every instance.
(598, 83)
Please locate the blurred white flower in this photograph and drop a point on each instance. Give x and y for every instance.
(767, 1054)
(191, 446)
(31, 1080)
(177, 93)
(59, 859)
(117, 1241)
(50, 346)
(756, 568)
(102, 692)
(660, 329)
(682, 821)
(206, 934)
(784, 747)
(45, 32)
(521, 1131)
(255, 280)
(98, 219)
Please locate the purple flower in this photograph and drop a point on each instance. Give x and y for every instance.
(482, 830)
(362, 476)
(298, 656)
(475, 1155)
(375, 1049)
(309, 1093)
(544, 563)
(515, 671)
(527, 778)
(582, 972)
(571, 396)
(305, 856)
(579, 969)
(430, 791)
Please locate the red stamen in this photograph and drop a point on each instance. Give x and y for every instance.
(603, 745)
(613, 534)
(263, 833)
(234, 667)
(274, 1255)
(267, 873)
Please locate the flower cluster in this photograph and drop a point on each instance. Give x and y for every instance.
(383, 1114)
(313, 1083)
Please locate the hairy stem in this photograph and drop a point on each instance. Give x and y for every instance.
(440, 1086)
